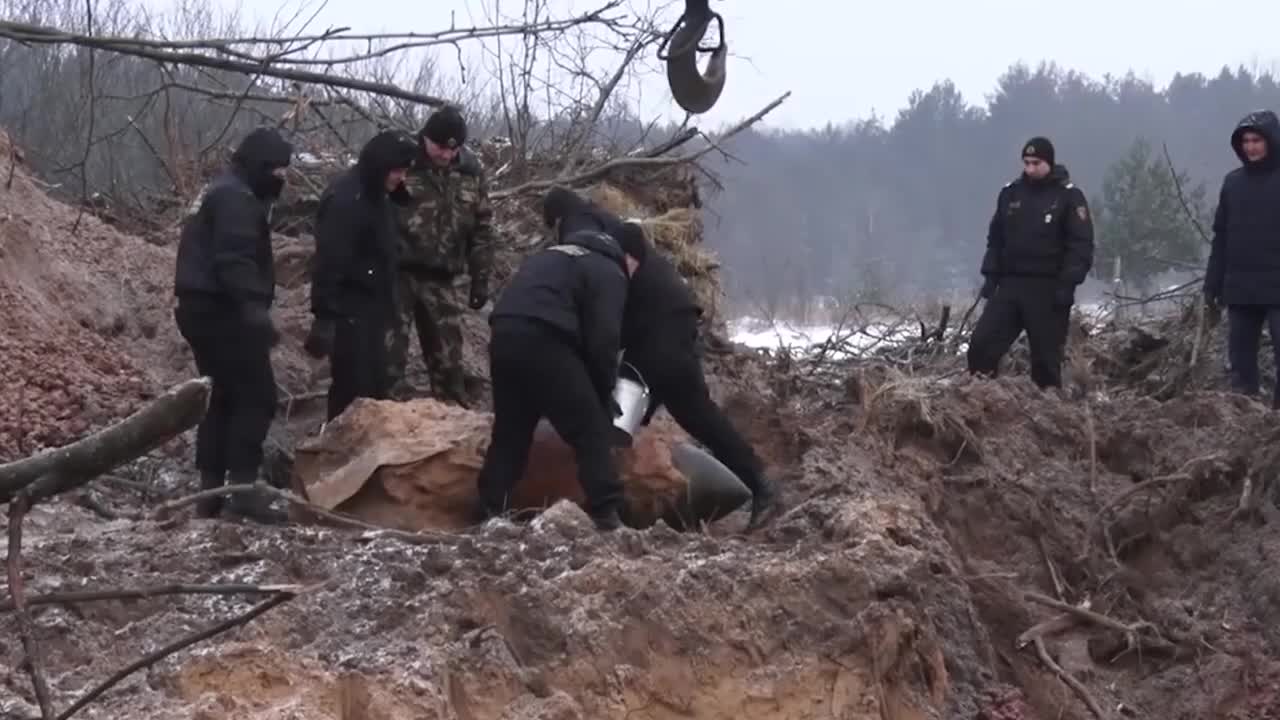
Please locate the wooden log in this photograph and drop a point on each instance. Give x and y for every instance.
(58, 470)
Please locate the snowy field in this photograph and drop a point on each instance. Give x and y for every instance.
(855, 337)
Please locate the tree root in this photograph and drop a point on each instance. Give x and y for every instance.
(1070, 616)
(1071, 682)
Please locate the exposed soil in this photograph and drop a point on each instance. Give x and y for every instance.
(921, 511)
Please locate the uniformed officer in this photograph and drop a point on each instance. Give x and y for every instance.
(447, 227)
(1039, 248)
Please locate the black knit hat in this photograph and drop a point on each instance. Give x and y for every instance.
(630, 237)
(557, 203)
(446, 127)
(1039, 148)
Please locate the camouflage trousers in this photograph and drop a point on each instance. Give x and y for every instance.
(434, 306)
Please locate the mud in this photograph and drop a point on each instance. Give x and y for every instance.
(920, 513)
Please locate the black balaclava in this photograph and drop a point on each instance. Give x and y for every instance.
(262, 151)
(446, 127)
(388, 150)
(1265, 123)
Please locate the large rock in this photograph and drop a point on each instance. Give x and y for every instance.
(413, 466)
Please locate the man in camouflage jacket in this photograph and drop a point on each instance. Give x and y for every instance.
(447, 227)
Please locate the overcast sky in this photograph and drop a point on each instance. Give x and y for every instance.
(852, 58)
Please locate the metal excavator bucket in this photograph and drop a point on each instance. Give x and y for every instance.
(694, 90)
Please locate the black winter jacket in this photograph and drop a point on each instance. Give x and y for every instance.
(577, 288)
(1244, 260)
(657, 290)
(1040, 228)
(357, 239)
(224, 252)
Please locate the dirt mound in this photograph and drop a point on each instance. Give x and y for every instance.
(89, 333)
(949, 548)
(930, 524)
(72, 298)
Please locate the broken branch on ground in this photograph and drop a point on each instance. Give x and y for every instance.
(58, 470)
(34, 660)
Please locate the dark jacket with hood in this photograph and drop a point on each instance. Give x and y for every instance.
(657, 294)
(1040, 228)
(1244, 261)
(577, 290)
(356, 235)
(224, 253)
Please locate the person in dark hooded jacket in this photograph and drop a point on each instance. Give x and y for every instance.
(555, 335)
(1039, 248)
(660, 338)
(225, 285)
(1244, 261)
(353, 296)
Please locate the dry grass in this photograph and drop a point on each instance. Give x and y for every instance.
(678, 234)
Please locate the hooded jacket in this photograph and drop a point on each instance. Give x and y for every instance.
(224, 252)
(577, 290)
(1244, 259)
(356, 236)
(1040, 228)
(657, 292)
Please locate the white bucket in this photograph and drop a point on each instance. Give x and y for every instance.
(633, 397)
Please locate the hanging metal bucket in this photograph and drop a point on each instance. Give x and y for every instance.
(632, 395)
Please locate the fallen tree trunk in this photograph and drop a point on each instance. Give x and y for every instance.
(58, 470)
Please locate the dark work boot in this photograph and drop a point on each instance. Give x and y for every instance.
(607, 520)
(254, 505)
(451, 388)
(210, 507)
(764, 503)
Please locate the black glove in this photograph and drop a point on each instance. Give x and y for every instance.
(400, 196)
(479, 295)
(257, 319)
(319, 342)
(1064, 295)
(989, 286)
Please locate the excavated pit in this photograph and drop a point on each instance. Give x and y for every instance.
(921, 514)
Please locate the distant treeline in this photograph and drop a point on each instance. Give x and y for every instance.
(898, 210)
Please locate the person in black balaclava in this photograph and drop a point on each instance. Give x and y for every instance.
(1244, 260)
(353, 295)
(225, 285)
(1039, 248)
(660, 338)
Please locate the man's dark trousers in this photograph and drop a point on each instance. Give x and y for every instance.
(242, 402)
(358, 364)
(1022, 303)
(536, 373)
(1244, 336)
(671, 365)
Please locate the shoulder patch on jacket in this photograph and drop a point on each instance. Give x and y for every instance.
(1069, 185)
(574, 250)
